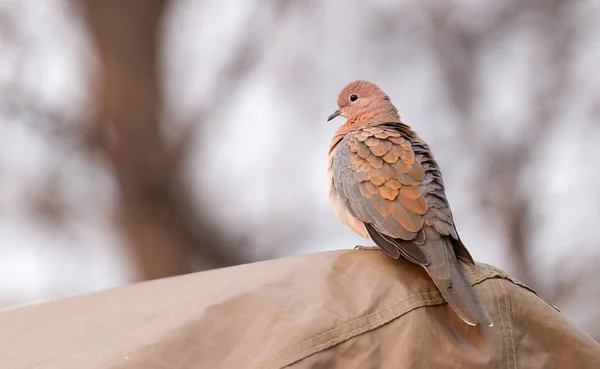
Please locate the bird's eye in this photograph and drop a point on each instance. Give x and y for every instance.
(353, 97)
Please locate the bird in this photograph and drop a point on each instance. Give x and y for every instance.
(385, 184)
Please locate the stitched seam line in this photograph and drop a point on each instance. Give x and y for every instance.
(504, 338)
(350, 322)
(350, 334)
(472, 272)
(424, 302)
(514, 356)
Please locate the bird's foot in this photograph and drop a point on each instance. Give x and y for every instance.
(366, 248)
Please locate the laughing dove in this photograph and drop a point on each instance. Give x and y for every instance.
(385, 184)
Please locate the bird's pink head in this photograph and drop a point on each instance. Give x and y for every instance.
(363, 103)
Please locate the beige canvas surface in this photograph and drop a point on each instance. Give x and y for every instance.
(339, 309)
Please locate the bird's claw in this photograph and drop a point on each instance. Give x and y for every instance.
(366, 248)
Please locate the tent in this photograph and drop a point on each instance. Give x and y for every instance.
(338, 309)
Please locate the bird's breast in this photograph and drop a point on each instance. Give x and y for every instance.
(339, 205)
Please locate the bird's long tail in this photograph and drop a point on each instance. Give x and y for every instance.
(451, 281)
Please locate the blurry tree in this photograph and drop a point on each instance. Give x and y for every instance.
(154, 209)
(163, 228)
(167, 232)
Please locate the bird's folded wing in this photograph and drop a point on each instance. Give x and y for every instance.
(376, 173)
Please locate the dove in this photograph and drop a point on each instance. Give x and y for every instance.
(385, 184)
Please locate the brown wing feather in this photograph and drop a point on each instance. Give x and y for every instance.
(439, 214)
(376, 171)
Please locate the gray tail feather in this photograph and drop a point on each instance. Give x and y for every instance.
(461, 296)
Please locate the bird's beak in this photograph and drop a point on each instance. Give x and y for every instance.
(334, 114)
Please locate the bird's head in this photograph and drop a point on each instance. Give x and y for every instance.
(364, 103)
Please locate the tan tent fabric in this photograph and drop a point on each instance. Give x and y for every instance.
(340, 309)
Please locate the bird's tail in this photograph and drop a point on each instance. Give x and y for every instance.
(453, 284)
(462, 298)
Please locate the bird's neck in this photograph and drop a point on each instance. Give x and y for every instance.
(376, 117)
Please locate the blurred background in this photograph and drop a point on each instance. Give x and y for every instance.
(143, 139)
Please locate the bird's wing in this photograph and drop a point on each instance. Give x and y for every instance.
(439, 215)
(377, 175)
